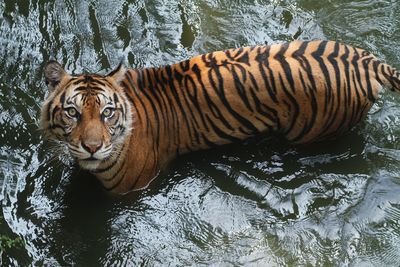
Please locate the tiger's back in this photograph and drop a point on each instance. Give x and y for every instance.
(306, 91)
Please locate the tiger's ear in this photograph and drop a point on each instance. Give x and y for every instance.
(53, 73)
(118, 74)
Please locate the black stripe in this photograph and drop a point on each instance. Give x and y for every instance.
(148, 88)
(109, 167)
(211, 105)
(194, 97)
(116, 99)
(388, 77)
(175, 94)
(334, 108)
(62, 99)
(263, 60)
(239, 56)
(347, 85)
(88, 88)
(318, 56)
(118, 68)
(241, 89)
(345, 60)
(167, 106)
(354, 62)
(133, 87)
(53, 114)
(275, 117)
(207, 141)
(57, 126)
(293, 101)
(314, 111)
(259, 109)
(84, 80)
(162, 81)
(281, 58)
(170, 81)
(187, 97)
(357, 102)
(159, 94)
(305, 64)
(141, 171)
(117, 183)
(97, 81)
(116, 173)
(49, 113)
(220, 133)
(78, 81)
(366, 63)
(219, 90)
(185, 65)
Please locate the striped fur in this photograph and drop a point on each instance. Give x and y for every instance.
(305, 91)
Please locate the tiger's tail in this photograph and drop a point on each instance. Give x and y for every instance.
(388, 76)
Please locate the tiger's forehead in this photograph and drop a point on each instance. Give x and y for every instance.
(89, 83)
(87, 88)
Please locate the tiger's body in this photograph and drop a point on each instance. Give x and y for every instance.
(305, 91)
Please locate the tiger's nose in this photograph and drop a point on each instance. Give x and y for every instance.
(92, 147)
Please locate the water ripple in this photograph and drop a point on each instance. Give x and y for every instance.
(262, 203)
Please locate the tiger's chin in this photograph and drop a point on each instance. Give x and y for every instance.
(92, 164)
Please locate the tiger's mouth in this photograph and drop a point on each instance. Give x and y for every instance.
(92, 163)
(90, 158)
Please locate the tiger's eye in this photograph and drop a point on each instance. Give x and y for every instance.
(107, 112)
(72, 112)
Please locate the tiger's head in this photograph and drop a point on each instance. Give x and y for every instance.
(88, 112)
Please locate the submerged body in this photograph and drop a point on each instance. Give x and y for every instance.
(126, 126)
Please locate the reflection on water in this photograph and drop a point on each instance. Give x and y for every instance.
(260, 203)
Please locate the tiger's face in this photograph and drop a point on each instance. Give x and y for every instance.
(89, 113)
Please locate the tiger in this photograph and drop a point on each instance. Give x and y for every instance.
(126, 126)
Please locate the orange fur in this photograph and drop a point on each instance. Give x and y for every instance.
(306, 91)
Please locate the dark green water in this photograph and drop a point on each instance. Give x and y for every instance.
(263, 203)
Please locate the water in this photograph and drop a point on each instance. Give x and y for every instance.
(261, 203)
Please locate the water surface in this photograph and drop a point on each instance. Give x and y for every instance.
(260, 203)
